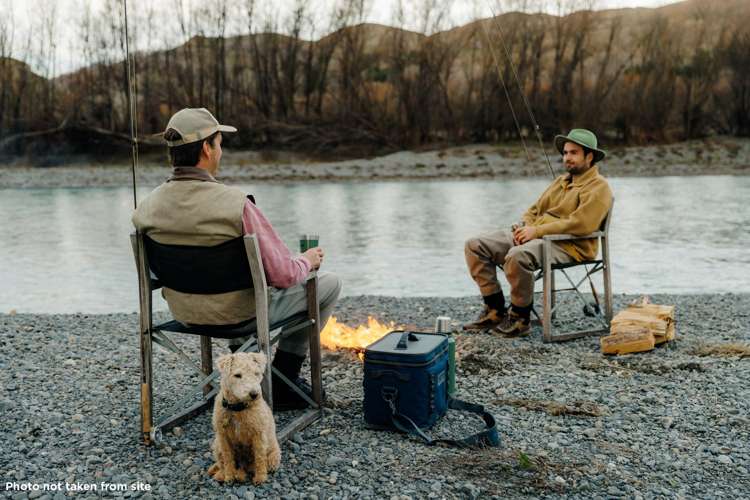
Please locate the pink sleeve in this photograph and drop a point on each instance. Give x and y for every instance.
(283, 270)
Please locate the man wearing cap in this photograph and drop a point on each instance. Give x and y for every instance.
(193, 208)
(575, 203)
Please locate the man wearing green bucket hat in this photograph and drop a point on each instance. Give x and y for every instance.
(575, 203)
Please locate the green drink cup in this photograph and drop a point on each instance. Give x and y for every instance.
(312, 240)
(307, 241)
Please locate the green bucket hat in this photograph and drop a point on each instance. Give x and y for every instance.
(582, 137)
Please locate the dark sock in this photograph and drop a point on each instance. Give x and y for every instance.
(495, 301)
(523, 311)
(288, 364)
(284, 397)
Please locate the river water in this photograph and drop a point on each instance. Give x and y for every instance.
(67, 250)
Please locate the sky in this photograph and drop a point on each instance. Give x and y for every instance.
(26, 16)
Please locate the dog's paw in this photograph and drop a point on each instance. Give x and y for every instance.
(259, 478)
(240, 476)
(218, 475)
(213, 470)
(274, 460)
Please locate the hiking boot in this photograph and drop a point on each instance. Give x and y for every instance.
(488, 318)
(284, 397)
(513, 325)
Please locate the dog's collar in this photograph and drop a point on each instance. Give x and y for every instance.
(233, 406)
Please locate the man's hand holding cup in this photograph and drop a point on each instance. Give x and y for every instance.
(315, 256)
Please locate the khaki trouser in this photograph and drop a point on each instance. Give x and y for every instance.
(286, 302)
(496, 248)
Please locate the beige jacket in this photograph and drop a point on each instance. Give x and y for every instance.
(192, 208)
(573, 205)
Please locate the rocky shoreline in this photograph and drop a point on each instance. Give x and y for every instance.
(715, 156)
(671, 423)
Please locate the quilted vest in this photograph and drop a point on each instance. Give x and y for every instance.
(192, 208)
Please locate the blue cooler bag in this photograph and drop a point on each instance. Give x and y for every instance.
(406, 387)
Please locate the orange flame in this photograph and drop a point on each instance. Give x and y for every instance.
(340, 336)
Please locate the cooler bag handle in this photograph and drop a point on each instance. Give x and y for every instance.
(405, 338)
(486, 438)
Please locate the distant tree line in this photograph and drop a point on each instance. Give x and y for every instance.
(360, 86)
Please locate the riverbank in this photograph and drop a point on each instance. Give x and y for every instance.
(715, 156)
(669, 423)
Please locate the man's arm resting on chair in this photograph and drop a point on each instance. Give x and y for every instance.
(570, 237)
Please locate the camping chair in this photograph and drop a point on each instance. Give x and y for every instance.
(233, 265)
(547, 275)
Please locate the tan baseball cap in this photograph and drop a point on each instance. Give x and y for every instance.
(194, 124)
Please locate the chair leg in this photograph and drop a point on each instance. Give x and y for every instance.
(607, 280)
(207, 363)
(552, 293)
(313, 309)
(547, 288)
(264, 346)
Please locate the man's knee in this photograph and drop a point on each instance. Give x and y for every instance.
(473, 245)
(329, 287)
(521, 257)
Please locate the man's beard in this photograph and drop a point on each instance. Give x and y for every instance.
(575, 169)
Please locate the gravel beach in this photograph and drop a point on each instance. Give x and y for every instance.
(714, 156)
(670, 423)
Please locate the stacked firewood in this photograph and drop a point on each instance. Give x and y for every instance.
(639, 328)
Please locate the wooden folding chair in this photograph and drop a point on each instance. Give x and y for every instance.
(188, 269)
(547, 275)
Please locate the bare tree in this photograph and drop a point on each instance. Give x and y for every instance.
(7, 33)
(736, 100)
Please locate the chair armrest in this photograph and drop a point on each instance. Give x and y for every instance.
(570, 237)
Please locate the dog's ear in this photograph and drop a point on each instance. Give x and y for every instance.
(261, 359)
(223, 362)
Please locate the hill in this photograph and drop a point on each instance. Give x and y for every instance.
(635, 75)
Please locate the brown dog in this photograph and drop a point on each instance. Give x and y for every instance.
(245, 430)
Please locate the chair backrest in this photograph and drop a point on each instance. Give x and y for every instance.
(199, 269)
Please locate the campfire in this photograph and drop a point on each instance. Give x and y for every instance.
(337, 335)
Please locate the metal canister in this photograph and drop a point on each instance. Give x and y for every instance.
(442, 325)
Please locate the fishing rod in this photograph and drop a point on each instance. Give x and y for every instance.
(132, 102)
(505, 89)
(509, 59)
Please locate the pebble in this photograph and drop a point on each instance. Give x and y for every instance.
(677, 430)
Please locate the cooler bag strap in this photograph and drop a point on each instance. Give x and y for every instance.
(486, 438)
